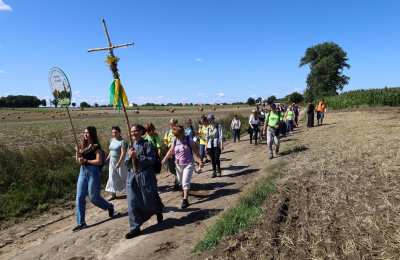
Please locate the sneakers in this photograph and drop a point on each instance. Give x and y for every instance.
(79, 227)
(133, 233)
(214, 174)
(185, 204)
(111, 211)
(160, 218)
(271, 156)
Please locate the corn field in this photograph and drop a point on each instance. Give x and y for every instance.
(370, 97)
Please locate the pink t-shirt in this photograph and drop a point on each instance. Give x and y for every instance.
(183, 151)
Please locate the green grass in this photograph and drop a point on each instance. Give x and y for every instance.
(244, 213)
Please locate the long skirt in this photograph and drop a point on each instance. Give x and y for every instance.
(310, 119)
(143, 198)
(116, 177)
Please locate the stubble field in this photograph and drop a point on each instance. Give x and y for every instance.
(338, 197)
(23, 128)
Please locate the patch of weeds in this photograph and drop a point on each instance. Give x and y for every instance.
(244, 213)
(295, 149)
(33, 180)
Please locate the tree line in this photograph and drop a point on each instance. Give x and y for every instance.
(21, 101)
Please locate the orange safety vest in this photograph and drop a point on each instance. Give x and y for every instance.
(321, 107)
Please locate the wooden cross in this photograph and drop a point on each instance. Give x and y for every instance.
(110, 50)
(114, 66)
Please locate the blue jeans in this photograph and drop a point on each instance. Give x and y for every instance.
(236, 135)
(202, 151)
(290, 125)
(89, 184)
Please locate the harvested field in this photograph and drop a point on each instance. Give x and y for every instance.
(51, 126)
(339, 197)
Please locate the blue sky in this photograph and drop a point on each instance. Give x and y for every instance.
(193, 51)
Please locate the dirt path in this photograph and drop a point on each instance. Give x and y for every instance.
(50, 236)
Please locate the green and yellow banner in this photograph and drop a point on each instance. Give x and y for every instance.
(118, 95)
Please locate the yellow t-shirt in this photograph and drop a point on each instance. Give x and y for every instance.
(168, 138)
(203, 134)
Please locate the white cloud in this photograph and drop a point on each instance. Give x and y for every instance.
(220, 94)
(2, 71)
(196, 60)
(4, 6)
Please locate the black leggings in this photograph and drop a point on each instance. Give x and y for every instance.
(215, 154)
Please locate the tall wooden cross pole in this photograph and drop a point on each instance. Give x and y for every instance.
(113, 62)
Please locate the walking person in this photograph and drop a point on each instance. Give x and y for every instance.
(153, 137)
(215, 145)
(183, 148)
(143, 198)
(203, 129)
(271, 127)
(282, 124)
(321, 109)
(296, 111)
(155, 140)
(91, 158)
(168, 140)
(254, 127)
(236, 124)
(310, 115)
(117, 170)
(189, 129)
(289, 117)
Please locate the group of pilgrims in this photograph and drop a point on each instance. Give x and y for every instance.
(133, 168)
(183, 149)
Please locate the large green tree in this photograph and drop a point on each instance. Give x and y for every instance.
(295, 97)
(327, 62)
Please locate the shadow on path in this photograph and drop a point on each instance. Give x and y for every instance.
(288, 139)
(117, 216)
(217, 194)
(225, 160)
(316, 125)
(209, 186)
(240, 173)
(234, 167)
(192, 217)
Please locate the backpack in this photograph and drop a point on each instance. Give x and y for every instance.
(157, 164)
